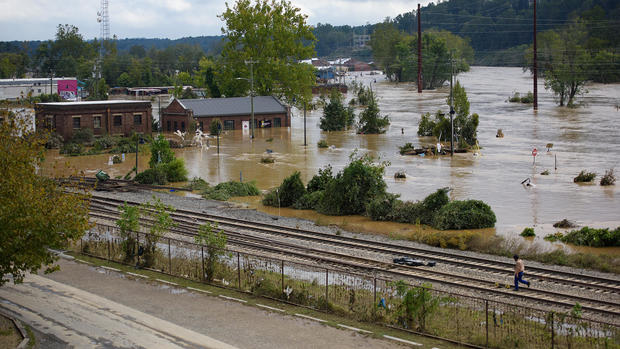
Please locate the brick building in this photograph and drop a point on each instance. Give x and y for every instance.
(234, 113)
(103, 117)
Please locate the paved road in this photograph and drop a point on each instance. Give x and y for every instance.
(92, 307)
(86, 320)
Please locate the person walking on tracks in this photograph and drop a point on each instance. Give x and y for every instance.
(519, 269)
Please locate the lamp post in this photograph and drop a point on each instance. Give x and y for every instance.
(251, 63)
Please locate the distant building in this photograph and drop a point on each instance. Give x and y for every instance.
(13, 89)
(234, 113)
(103, 117)
(360, 40)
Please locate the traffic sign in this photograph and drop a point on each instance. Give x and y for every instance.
(534, 152)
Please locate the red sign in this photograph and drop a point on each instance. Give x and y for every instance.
(534, 152)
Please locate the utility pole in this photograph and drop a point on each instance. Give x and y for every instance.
(251, 63)
(419, 52)
(535, 63)
(451, 106)
(305, 143)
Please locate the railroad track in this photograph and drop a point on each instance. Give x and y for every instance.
(188, 222)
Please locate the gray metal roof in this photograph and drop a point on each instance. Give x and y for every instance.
(233, 106)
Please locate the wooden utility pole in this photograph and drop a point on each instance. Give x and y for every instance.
(535, 63)
(419, 52)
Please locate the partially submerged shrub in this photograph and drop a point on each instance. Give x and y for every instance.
(609, 178)
(72, 149)
(528, 232)
(267, 160)
(309, 201)
(83, 136)
(584, 177)
(55, 141)
(320, 180)
(593, 237)
(116, 159)
(469, 214)
(565, 223)
(155, 175)
(322, 144)
(197, 184)
(406, 148)
(381, 208)
(291, 189)
(104, 142)
(175, 170)
(545, 173)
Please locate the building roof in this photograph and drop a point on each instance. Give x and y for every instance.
(33, 80)
(89, 103)
(233, 106)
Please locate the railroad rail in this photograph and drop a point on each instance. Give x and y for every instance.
(188, 222)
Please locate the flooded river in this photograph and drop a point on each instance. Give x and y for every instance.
(583, 138)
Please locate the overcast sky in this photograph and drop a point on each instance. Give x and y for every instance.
(37, 19)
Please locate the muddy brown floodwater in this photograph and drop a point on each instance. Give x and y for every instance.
(583, 138)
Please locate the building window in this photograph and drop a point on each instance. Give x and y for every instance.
(229, 124)
(118, 120)
(76, 121)
(202, 128)
(277, 122)
(182, 126)
(96, 121)
(168, 125)
(176, 126)
(39, 90)
(137, 119)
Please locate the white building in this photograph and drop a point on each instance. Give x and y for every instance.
(20, 88)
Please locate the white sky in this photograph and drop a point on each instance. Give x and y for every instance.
(38, 19)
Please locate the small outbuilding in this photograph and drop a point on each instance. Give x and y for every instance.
(234, 113)
(118, 117)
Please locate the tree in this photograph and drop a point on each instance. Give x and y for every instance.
(215, 242)
(274, 35)
(370, 121)
(564, 62)
(128, 223)
(160, 152)
(336, 117)
(36, 214)
(465, 125)
(161, 222)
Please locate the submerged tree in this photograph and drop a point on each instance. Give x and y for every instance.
(370, 121)
(336, 117)
(36, 214)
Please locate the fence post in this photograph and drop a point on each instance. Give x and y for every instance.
(326, 285)
(282, 274)
(169, 258)
(202, 260)
(552, 331)
(486, 311)
(239, 270)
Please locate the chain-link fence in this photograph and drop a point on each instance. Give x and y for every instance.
(418, 308)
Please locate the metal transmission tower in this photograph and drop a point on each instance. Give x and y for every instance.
(103, 18)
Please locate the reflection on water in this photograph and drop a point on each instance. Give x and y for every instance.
(583, 138)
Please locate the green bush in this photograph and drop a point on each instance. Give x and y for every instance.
(353, 187)
(584, 176)
(116, 159)
(155, 175)
(381, 208)
(160, 152)
(322, 144)
(593, 237)
(124, 145)
(55, 141)
(309, 201)
(528, 99)
(408, 212)
(175, 170)
(469, 214)
(72, 149)
(226, 190)
(291, 189)
(320, 180)
(528, 232)
(83, 136)
(433, 203)
(271, 198)
(197, 184)
(516, 98)
(104, 142)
